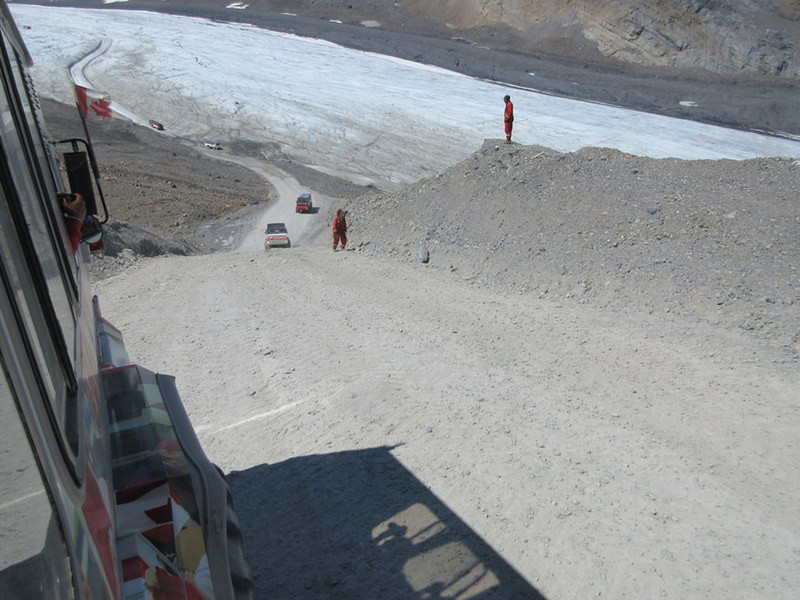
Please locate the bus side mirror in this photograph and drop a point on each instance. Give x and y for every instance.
(80, 178)
(92, 230)
(83, 175)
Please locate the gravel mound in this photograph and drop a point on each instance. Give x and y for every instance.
(714, 241)
(124, 243)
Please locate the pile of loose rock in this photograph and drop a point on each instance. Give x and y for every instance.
(717, 241)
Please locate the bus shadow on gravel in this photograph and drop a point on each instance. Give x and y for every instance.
(358, 525)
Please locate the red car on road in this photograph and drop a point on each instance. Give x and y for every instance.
(304, 203)
(156, 125)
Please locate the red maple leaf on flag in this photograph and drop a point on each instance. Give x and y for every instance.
(102, 107)
(99, 103)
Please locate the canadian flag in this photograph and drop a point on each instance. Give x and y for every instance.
(92, 99)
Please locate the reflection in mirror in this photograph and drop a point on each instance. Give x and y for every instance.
(92, 231)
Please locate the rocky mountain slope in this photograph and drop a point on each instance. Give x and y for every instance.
(745, 38)
(750, 37)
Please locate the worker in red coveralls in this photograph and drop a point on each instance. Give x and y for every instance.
(74, 208)
(340, 229)
(508, 118)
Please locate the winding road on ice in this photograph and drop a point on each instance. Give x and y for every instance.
(303, 228)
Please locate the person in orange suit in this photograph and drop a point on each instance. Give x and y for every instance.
(340, 229)
(508, 117)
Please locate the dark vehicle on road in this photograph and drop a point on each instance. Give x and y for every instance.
(156, 125)
(304, 203)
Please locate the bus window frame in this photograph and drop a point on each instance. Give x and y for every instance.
(53, 358)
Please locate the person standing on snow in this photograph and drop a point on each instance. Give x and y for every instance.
(508, 117)
(340, 229)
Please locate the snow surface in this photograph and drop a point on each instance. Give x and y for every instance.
(371, 118)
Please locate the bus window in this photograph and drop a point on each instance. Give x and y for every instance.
(33, 556)
(44, 305)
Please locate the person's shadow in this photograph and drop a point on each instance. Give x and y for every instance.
(358, 525)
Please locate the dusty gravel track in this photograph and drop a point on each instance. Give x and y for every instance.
(500, 441)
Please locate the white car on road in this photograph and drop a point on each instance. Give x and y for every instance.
(277, 236)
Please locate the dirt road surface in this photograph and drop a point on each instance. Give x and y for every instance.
(390, 432)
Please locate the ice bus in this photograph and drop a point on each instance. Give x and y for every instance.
(105, 492)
